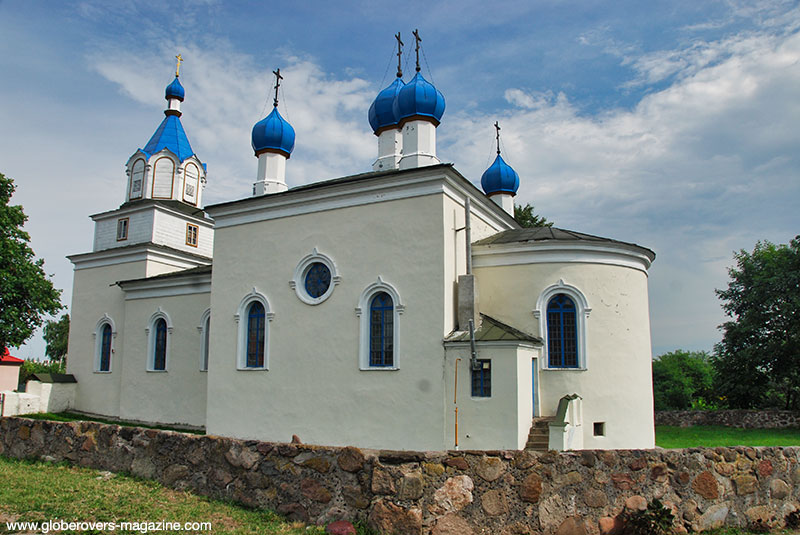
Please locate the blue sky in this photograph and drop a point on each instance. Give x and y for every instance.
(671, 124)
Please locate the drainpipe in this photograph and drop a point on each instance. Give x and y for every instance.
(473, 359)
(2, 404)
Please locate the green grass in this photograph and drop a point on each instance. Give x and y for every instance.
(713, 436)
(76, 417)
(37, 491)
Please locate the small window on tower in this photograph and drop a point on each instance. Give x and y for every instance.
(191, 234)
(122, 229)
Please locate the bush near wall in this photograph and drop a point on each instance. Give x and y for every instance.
(755, 419)
(437, 493)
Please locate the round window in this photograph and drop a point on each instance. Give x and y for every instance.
(317, 280)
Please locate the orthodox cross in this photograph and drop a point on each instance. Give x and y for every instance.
(399, 55)
(497, 126)
(178, 67)
(278, 79)
(419, 40)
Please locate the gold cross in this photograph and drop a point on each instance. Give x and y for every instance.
(178, 67)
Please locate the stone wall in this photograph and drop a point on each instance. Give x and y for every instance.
(436, 493)
(731, 418)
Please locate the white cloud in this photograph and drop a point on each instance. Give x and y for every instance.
(701, 168)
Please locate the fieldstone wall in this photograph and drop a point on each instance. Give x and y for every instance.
(437, 493)
(768, 419)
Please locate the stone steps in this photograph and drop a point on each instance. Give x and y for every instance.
(539, 436)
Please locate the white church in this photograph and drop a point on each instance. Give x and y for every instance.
(402, 308)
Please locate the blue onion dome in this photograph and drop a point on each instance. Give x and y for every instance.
(382, 111)
(500, 178)
(273, 134)
(419, 98)
(174, 90)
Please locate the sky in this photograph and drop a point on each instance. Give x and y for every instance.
(671, 124)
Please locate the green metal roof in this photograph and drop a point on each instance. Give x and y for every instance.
(493, 330)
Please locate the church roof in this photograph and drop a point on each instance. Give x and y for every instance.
(170, 135)
(493, 330)
(200, 270)
(542, 234)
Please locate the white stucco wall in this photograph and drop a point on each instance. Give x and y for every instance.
(616, 385)
(314, 387)
(177, 395)
(501, 421)
(95, 295)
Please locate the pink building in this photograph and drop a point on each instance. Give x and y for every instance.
(9, 370)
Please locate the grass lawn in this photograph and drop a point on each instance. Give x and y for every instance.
(37, 491)
(713, 436)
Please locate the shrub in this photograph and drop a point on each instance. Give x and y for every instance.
(655, 520)
(29, 367)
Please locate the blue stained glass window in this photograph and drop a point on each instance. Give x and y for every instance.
(255, 335)
(381, 331)
(206, 341)
(482, 379)
(160, 350)
(562, 332)
(105, 349)
(318, 279)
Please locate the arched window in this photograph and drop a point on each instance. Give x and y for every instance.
(191, 175)
(253, 316)
(137, 180)
(104, 334)
(163, 176)
(105, 349)
(562, 333)
(159, 333)
(160, 348)
(256, 330)
(563, 313)
(381, 330)
(205, 338)
(379, 309)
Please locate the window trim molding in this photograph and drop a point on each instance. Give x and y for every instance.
(151, 339)
(98, 343)
(582, 312)
(196, 234)
(131, 172)
(298, 278)
(362, 312)
(241, 337)
(205, 324)
(127, 221)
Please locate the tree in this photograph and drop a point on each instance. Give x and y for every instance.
(26, 294)
(757, 363)
(682, 380)
(526, 218)
(56, 335)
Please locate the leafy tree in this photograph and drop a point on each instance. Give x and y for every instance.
(25, 291)
(757, 363)
(682, 380)
(56, 335)
(526, 218)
